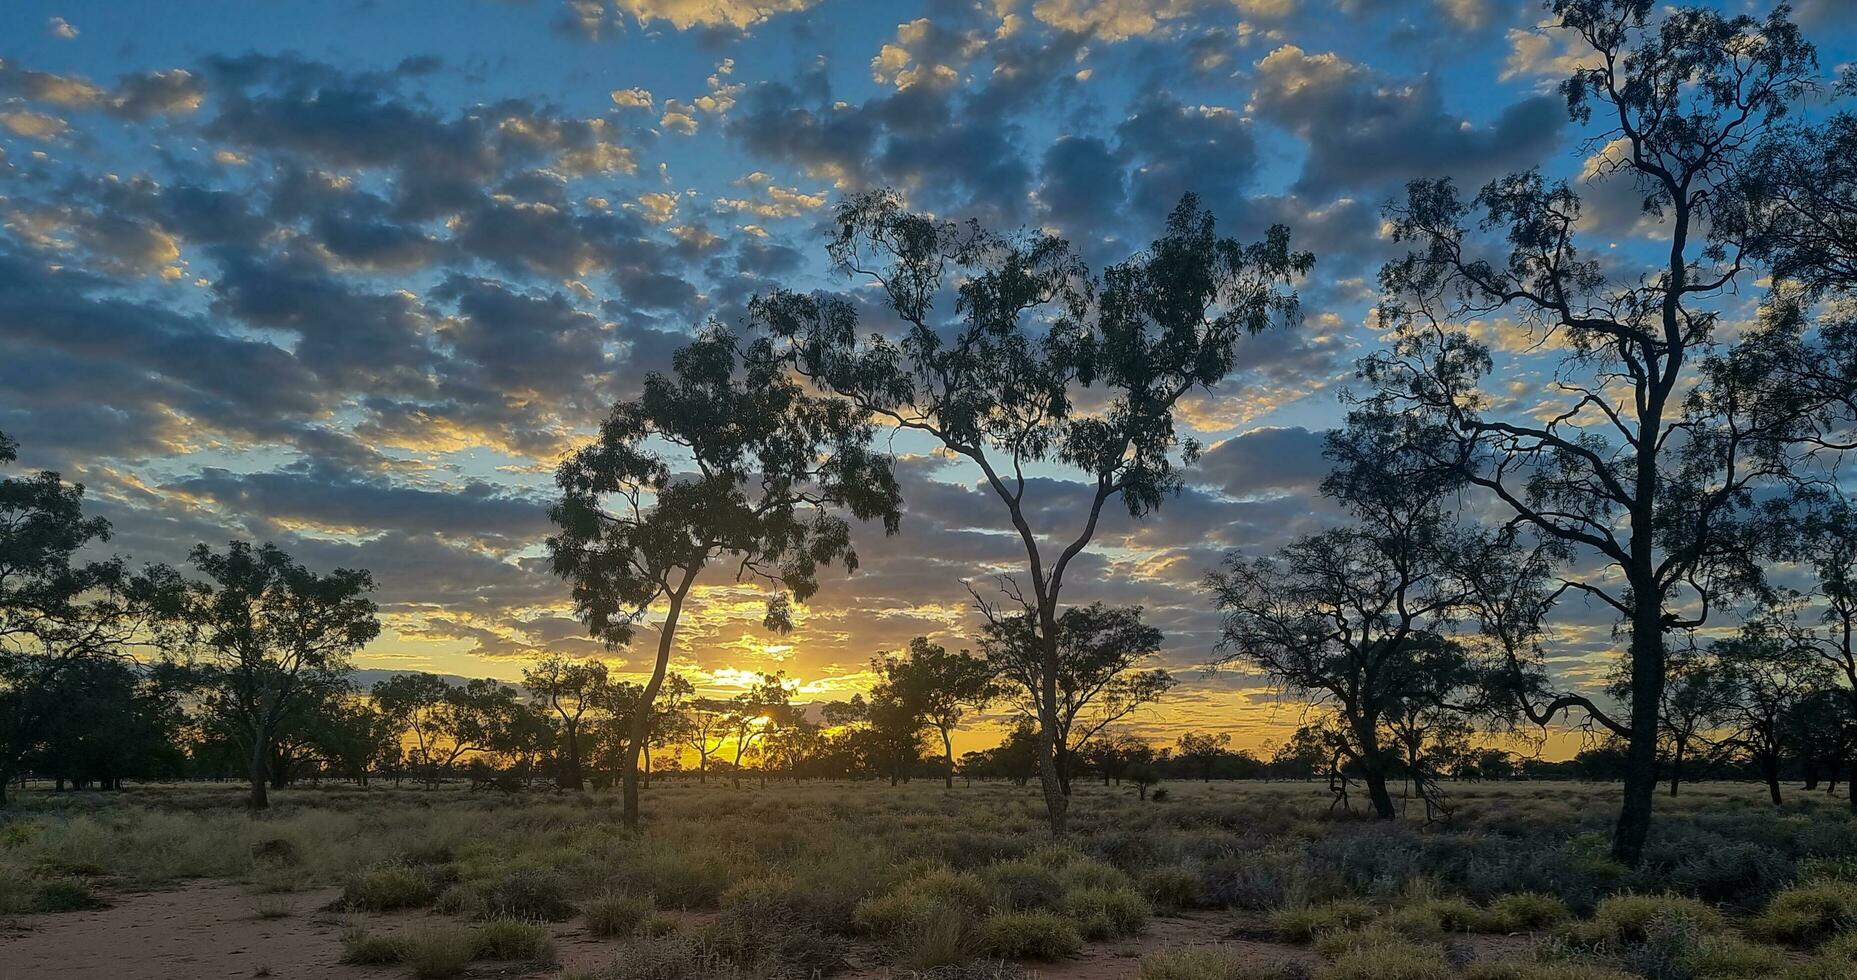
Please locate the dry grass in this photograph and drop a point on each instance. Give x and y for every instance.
(798, 881)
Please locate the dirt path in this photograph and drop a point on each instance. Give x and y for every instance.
(202, 930)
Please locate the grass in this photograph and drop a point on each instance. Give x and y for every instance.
(800, 881)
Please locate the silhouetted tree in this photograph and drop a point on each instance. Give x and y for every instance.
(728, 455)
(448, 721)
(939, 687)
(1003, 382)
(1769, 677)
(266, 633)
(58, 613)
(1650, 460)
(1202, 750)
(1100, 649)
(706, 730)
(569, 689)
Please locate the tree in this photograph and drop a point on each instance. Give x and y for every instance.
(1097, 681)
(1362, 618)
(706, 730)
(1004, 383)
(1829, 549)
(1769, 678)
(1203, 750)
(1649, 462)
(752, 714)
(728, 455)
(114, 720)
(942, 687)
(266, 633)
(1698, 695)
(58, 613)
(448, 721)
(569, 688)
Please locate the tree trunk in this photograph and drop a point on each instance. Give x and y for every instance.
(947, 754)
(570, 765)
(1647, 693)
(1057, 802)
(1383, 808)
(1676, 767)
(1770, 768)
(260, 800)
(641, 716)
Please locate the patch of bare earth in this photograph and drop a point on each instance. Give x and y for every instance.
(209, 929)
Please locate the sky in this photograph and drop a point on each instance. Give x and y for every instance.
(353, 277)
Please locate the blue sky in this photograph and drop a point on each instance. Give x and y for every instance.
(352, 276)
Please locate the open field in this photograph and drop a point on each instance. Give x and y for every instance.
(1221, 881)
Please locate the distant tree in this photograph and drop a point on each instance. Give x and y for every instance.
(669, 720)
(1823, 736)
(569, 689)
(57, 612)
(706, 730)
(728, 455)
(266, 633)
(1110, 753)
(448, 721)
(1202, 750)
(1100, 650)
(1769, 678)
(1015, 758)
(355, 739)
(1027, 372)
(752, 714)
(1362, 618)
(1303, 755)
(1828, 549)
(1656, 435)
(114, 721)
(940, 687)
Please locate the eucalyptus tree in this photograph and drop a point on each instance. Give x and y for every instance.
(1770, 677)
(568, 688)
(1829, 549)
(727, 457)
(58, 612)
(941, 686)
(1364, 618)
(1100, 678)
(1039, 365)
(1644, 455)
(266, 633)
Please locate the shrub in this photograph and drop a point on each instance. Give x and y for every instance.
(1809, 914)
(388, 888)
(676, 879)
(530, 893)
(618, 915)
(1395, 962)
(1732, 958)
(1172, 888)
(1625, 918)
(371, 948)
(1300, 925)
(962, 890)
(665, 958)
(1027, 936)
(512, 939)
(437, 949)
(1432, 917)
(1104, 913)
(1211, 963)
(1522, 911)
(64, 895)
(1024, 883)
(1530, 970)
(888, 915)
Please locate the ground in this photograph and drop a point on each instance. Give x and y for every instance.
(1220, 881)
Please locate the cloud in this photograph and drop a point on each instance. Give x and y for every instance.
(686, 14)
(1266, 461)
(61, 29)
(1365, 129)
(33, 125)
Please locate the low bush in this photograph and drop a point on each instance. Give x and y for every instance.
(437, 949)
(1172, 888)
(1025, 883)
(512, 939)
(1524, 911)
(1533, 970)
(1394, 962)
(1027, 936)
(1626, 918)
(389, 888)
(1211, 963)
(1809, 914)
(64, 895)
(617, 915)
(1302, 924)
(1105, 913)
(530, 893)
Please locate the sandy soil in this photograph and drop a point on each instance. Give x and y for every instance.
(202, 930)
(213, 930)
